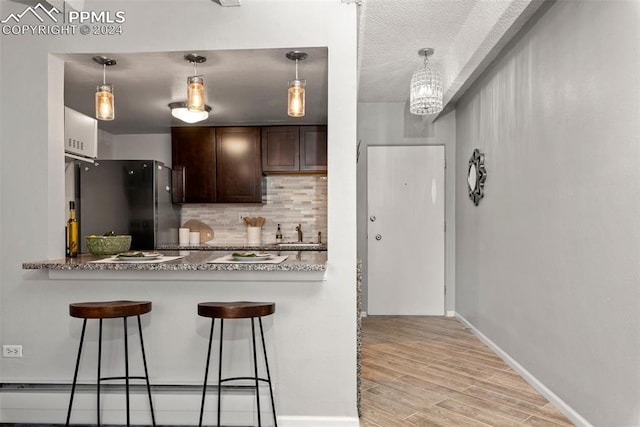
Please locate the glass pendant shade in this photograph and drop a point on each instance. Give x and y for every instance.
(295, 93)
(195, 94)
(426, 89)
(296, 98)
(105, 102)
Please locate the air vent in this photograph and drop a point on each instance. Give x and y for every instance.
(80, 134)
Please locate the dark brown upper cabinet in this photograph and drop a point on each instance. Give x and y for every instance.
(313, 148)
(238, 167)
(294, 149)
(280, 148)
(216, 165)
(193, 156)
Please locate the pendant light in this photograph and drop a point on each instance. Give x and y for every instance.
(180, 111)
(195, 85)
(295, 104)
(104, 93)
(426, 88)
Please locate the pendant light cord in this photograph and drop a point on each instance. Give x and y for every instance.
(104, 74)
(296, 69)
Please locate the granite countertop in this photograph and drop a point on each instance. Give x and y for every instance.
(195, 260)
(223, 246)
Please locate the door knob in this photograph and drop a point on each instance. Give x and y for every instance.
(378, 236)
(372, 218)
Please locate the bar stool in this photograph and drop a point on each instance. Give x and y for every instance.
(238, 310)
(111, 310)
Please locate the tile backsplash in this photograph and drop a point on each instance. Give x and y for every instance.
(288, 200)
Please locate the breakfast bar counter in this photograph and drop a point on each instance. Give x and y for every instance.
(290, 246)
(189, 265)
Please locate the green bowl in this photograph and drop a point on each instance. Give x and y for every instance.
(107, 245)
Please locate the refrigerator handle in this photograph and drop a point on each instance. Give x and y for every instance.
(178, 184)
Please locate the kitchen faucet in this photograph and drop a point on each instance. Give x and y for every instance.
(299, 230)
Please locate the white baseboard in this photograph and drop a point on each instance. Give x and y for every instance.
(562, 406)
(170, 409)
(318, 421)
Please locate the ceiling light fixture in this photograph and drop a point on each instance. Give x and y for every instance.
(426, 88)
(105, 109)
(195, 85)
(180, 111)
(295, 104)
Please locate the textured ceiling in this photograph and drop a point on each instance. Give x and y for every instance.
(466, 36)
(392, 32)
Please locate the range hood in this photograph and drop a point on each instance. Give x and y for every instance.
(80, 135)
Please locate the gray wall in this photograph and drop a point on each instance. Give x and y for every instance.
(390, 123)
(547, 266)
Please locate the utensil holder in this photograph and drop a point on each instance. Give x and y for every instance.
(254, 235)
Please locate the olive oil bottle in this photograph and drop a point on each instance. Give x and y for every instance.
(72, 232)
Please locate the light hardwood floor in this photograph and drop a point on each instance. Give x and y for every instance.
(431, 371)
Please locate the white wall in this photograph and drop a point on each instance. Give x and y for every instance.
(105, 144)
(142, 147)
(547, 266)
(391, 123)
(314, 329)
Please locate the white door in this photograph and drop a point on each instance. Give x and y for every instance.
(405, 236)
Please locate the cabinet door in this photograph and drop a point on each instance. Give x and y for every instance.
(193, 152)
(313, 148)
(280, 149)
(238, 165)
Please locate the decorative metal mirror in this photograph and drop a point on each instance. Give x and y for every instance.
(476, 176)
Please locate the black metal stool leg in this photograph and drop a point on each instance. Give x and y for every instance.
(206, 373)
(98, 380)
(146, 371)
(220, 373)
(75, 374)
(255, 369)
(105, 310)
(239, 310)
(126, 368)
(266, 364)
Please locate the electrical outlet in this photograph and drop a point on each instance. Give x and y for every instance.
(11, 351)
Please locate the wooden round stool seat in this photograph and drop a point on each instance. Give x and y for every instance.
(108, 309)
(236, 310)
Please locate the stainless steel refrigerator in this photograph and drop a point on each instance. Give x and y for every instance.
(128, 197)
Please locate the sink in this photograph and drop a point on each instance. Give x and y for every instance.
(300, 244)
